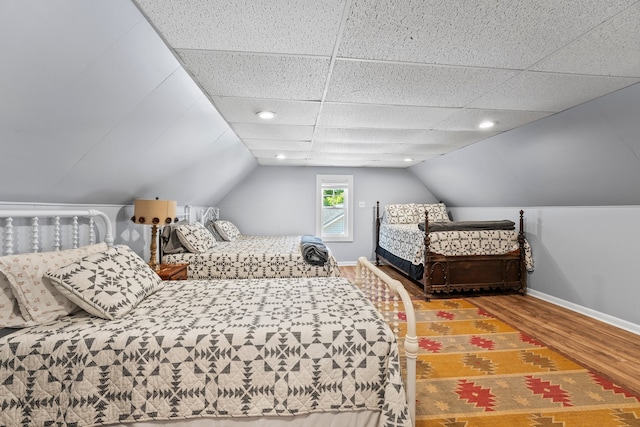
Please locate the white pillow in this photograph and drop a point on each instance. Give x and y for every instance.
(437, 212)
(195, 237)
(109, 284)
(404, 213)
(38, 300)
(227, 230)
(10, 315)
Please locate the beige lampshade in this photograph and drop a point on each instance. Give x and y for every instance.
(150, 212)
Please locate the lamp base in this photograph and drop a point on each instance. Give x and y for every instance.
(154, 238)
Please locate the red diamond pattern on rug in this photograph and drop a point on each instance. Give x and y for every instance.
(446, 315)
(547, 390)
(482, 342)
(429, 345)
(480, 397)
(608, 385)
(527, 339)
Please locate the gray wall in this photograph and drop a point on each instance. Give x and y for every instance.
(585, 257)
(281, 200)
(576, 175)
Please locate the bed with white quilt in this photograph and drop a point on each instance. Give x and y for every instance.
(446, 256)
(216, 249)
(92, 336)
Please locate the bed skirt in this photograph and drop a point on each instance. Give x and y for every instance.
(415, 272)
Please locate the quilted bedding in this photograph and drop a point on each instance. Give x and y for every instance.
(250, 257)
(277, 347)
(407, 242)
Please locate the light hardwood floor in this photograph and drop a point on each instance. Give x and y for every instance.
(610, 351)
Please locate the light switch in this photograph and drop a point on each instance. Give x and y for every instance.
(362, 205)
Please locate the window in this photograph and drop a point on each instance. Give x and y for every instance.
(334, 201)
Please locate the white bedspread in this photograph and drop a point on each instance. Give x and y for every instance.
(254, 257)
(193, 349)
(407, 242)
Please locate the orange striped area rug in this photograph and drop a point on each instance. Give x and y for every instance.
(474, 370)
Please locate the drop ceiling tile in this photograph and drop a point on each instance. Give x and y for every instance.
(287, 112)
(539, 91)
(284, 26)
(277, 132)
(333, 147)
(381, 116)
(293, 155)
(470, 118)
(269, 144)
(364, 135)
(354, 163)
(258, 76)
(612, 48)
(489, 33)
(272, 161)
(410, 84)
(425, 149)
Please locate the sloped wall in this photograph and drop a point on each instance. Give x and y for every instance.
(588, 155)
(96, 109)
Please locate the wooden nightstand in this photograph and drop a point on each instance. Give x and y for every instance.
(172, 271)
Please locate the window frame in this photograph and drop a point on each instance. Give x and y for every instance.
(341, 181)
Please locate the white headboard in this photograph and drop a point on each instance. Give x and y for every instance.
(209, 214)
(33, 230)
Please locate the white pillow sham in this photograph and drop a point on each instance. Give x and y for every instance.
(38, 301)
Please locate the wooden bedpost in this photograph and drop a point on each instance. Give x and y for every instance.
(426, 277)
(523, 264)
(375, 251)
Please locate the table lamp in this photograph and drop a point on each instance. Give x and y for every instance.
(153, 212)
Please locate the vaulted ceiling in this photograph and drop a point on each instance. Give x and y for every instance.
(106, 101)
(395, 82)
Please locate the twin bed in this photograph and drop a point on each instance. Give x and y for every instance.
(446, 256)
(216, 249)
(105, 342)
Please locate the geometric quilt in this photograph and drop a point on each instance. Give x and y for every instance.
(219, 348)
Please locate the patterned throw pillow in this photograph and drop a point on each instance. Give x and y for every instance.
(210, 225)
(227, 230)
(108, 285)
(38, 301)
(437, 212)
(195, 237)
(10, 315)
(401, 214)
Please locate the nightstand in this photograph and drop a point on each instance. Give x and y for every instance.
(172, 271)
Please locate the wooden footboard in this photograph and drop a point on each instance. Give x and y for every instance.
(446, 274)
(386, 293)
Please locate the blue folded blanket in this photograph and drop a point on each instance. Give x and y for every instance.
(314, 251)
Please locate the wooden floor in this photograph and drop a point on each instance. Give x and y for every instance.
(612, 352)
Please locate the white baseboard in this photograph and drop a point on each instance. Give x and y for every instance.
(614, 321)
(348, 263)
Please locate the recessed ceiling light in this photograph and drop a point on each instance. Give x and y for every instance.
(408, 159)
(487, 124)
(266, 115)
(280, 156)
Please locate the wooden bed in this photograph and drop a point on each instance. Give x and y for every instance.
(251, 352)
(232, 255)
(449, 275)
